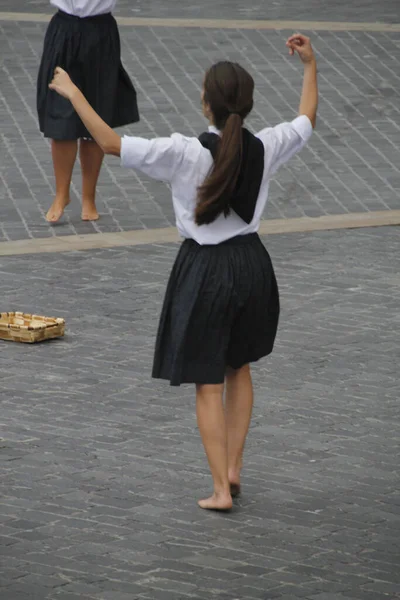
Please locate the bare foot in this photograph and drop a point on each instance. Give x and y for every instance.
(234, 482)
(56, 210)
(217, 502)
(89, 213)
(235, 490)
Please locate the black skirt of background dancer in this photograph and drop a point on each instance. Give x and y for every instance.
(89, 50)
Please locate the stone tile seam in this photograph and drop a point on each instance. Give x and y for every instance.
(225, 23)
(170, 235)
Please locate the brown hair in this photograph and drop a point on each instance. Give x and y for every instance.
(228, 91)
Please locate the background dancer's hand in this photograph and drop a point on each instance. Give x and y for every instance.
(62, 83)
(302, 45)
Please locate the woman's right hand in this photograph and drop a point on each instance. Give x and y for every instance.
(302, 45)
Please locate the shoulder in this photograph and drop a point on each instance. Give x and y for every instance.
(185, 142)
(300, 127)
(175, 144)
(190, 148)
(162, 158)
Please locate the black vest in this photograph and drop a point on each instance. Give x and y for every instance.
(245, 195)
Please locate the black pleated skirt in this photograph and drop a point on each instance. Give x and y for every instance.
(221, 309)
(89, 50)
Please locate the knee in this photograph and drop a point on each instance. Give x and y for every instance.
(209, 392)
(244, 370)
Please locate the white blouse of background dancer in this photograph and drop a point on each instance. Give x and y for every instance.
(85, 8)
(184, 163)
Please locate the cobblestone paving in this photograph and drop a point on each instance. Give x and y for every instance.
(101, 466)
(322, 10)
(351, 165)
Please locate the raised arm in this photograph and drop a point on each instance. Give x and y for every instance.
(107, 139)
(309, 96)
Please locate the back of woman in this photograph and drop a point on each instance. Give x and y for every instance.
(185, 162)
(221, 307)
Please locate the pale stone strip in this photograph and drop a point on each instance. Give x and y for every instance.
(225, 23)
(170, 234)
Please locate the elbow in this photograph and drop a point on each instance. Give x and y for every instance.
(112, 147)
(314, 121)
(312, 117)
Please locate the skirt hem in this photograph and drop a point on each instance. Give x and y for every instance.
(202, 380)
(85, 135)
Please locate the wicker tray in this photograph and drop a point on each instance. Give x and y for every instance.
(22, 327)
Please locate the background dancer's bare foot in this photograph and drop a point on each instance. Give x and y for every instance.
(56, 210)
(89, 213)
(216, 502)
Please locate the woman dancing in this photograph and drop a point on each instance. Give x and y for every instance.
(221, 306)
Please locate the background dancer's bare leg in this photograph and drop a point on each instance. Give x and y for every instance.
(64, 156)
(91, 156)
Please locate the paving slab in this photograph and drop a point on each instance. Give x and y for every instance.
(101, 466)
(351, 164)
(322, 10)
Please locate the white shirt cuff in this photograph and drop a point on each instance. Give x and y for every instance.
(303, 126)
(133, 151)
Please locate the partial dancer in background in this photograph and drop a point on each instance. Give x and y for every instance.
(221, 307)
(83, 39)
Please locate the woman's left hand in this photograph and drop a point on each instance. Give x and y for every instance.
(62, 84)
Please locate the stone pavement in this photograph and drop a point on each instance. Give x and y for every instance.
(101, 466)
(386, 11)
(351, 165)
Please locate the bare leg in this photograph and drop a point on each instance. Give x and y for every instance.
(238, 409)
(211, 422)
(64, 156)
(91, 156)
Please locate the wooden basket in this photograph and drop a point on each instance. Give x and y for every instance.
(22, 327)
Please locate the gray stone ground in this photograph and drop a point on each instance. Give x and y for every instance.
(351, 165)
(386, 11)
(101, 466)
